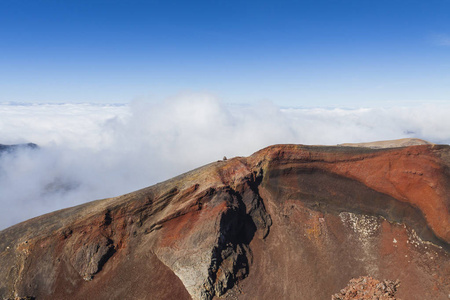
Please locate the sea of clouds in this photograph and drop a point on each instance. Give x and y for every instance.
(92, 151)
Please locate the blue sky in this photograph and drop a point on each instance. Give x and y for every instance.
(293, 53)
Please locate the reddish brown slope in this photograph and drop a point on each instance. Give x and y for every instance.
(290, 221)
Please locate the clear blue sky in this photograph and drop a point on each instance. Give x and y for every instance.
(294, 53)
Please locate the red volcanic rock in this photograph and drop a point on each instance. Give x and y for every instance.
(367, 288)
(288, 222)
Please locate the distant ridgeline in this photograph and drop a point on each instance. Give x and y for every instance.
(12, 148)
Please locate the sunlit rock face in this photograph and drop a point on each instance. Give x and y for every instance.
(288, 222)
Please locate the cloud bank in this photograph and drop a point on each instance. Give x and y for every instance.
(90, 152)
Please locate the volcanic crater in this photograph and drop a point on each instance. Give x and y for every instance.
(288, 222)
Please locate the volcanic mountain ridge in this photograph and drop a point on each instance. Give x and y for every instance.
(288, 222)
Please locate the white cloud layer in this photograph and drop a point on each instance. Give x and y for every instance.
(89, 152)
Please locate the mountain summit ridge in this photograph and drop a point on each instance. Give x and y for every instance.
(289, 221)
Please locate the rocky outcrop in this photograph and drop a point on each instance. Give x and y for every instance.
(367, 288)
(290, 222)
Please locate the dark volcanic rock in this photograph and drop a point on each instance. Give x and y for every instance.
(12, 148)
(288, 222)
